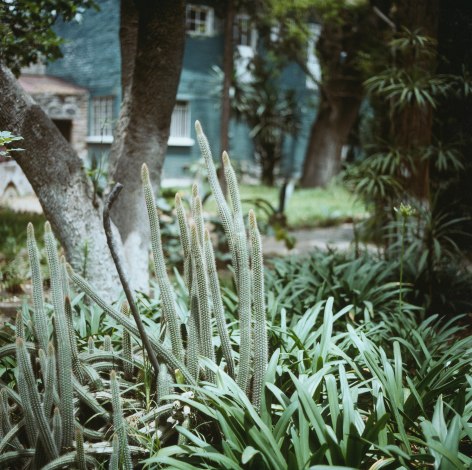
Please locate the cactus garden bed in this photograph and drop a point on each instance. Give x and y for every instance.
(280, 370)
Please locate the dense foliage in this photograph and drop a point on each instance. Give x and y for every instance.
(26, 34)
(357, 378)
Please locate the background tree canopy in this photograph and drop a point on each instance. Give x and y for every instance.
(26, 33)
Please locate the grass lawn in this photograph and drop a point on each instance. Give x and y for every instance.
(306, 208)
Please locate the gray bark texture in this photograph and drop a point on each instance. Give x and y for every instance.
(143, 127)
(329, 133)
(341, 91)
(57, 175)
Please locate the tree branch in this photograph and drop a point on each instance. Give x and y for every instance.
(124, 282)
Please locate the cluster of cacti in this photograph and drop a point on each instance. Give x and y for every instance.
(58, 386)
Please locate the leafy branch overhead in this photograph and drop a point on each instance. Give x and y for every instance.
(26, 30)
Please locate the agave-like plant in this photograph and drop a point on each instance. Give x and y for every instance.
(334, 399)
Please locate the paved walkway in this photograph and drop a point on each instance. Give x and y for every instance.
(340, 237)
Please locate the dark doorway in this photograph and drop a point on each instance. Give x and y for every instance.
(65, 127)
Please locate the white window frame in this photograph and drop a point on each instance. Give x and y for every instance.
(180, 125)
(250, 35)
(204, 27)
(244, 52)
(312, 62)
(101, 119)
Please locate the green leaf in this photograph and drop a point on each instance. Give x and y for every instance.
(248, 454)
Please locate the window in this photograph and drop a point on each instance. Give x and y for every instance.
(245, 39)
(180, 125)
(199, 20)
(101, 124)
(244, 33)
(312, 60)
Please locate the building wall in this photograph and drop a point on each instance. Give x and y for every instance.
(72, 108)
(92, 50)
(92, 60)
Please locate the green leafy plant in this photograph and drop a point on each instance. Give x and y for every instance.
(186, 381)
(334, 399)
(7, 138)
(48, 409)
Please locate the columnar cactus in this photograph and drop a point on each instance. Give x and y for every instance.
(203, 292)
(258, 304)
(49, 395)
(167, 297)
(31, 400)
(127, 346)
(119, 424)
(64, 355)
(217, 303)
(39, 316)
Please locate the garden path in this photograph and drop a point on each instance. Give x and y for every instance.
(339, 237)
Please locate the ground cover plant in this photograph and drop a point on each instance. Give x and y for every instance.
(13, 255)
(243, 379)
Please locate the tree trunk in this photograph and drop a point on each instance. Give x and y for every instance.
(269, 158)
(144, 122)
(329, 133)
(338, 48)
(228, 67)
(56, 174)
(413, 125)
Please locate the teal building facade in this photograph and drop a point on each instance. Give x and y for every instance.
(91, 59)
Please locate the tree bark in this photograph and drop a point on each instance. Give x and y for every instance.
(329, 133)
(228, 68)
(144, 122)
(57, 175)
(413, 125)
(341, 91)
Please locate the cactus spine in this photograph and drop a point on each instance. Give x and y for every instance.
(19, 326)
(127, 348)
(64, 354)
(243, 277)
(115, 455)
(218, 309)
(31, 400)
(57, 427)
(258, 300)
(184, 237)
(107, 346)
(164, 383)
(79, 444)
(50, 380)
(119, 424)
(193, 336)
(39, 316)
(167, 298)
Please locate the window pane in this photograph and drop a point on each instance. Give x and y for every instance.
(198, 19)
(102, 116)
(180, 122)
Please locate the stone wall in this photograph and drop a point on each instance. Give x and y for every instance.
(68, 107)
(73, 108)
